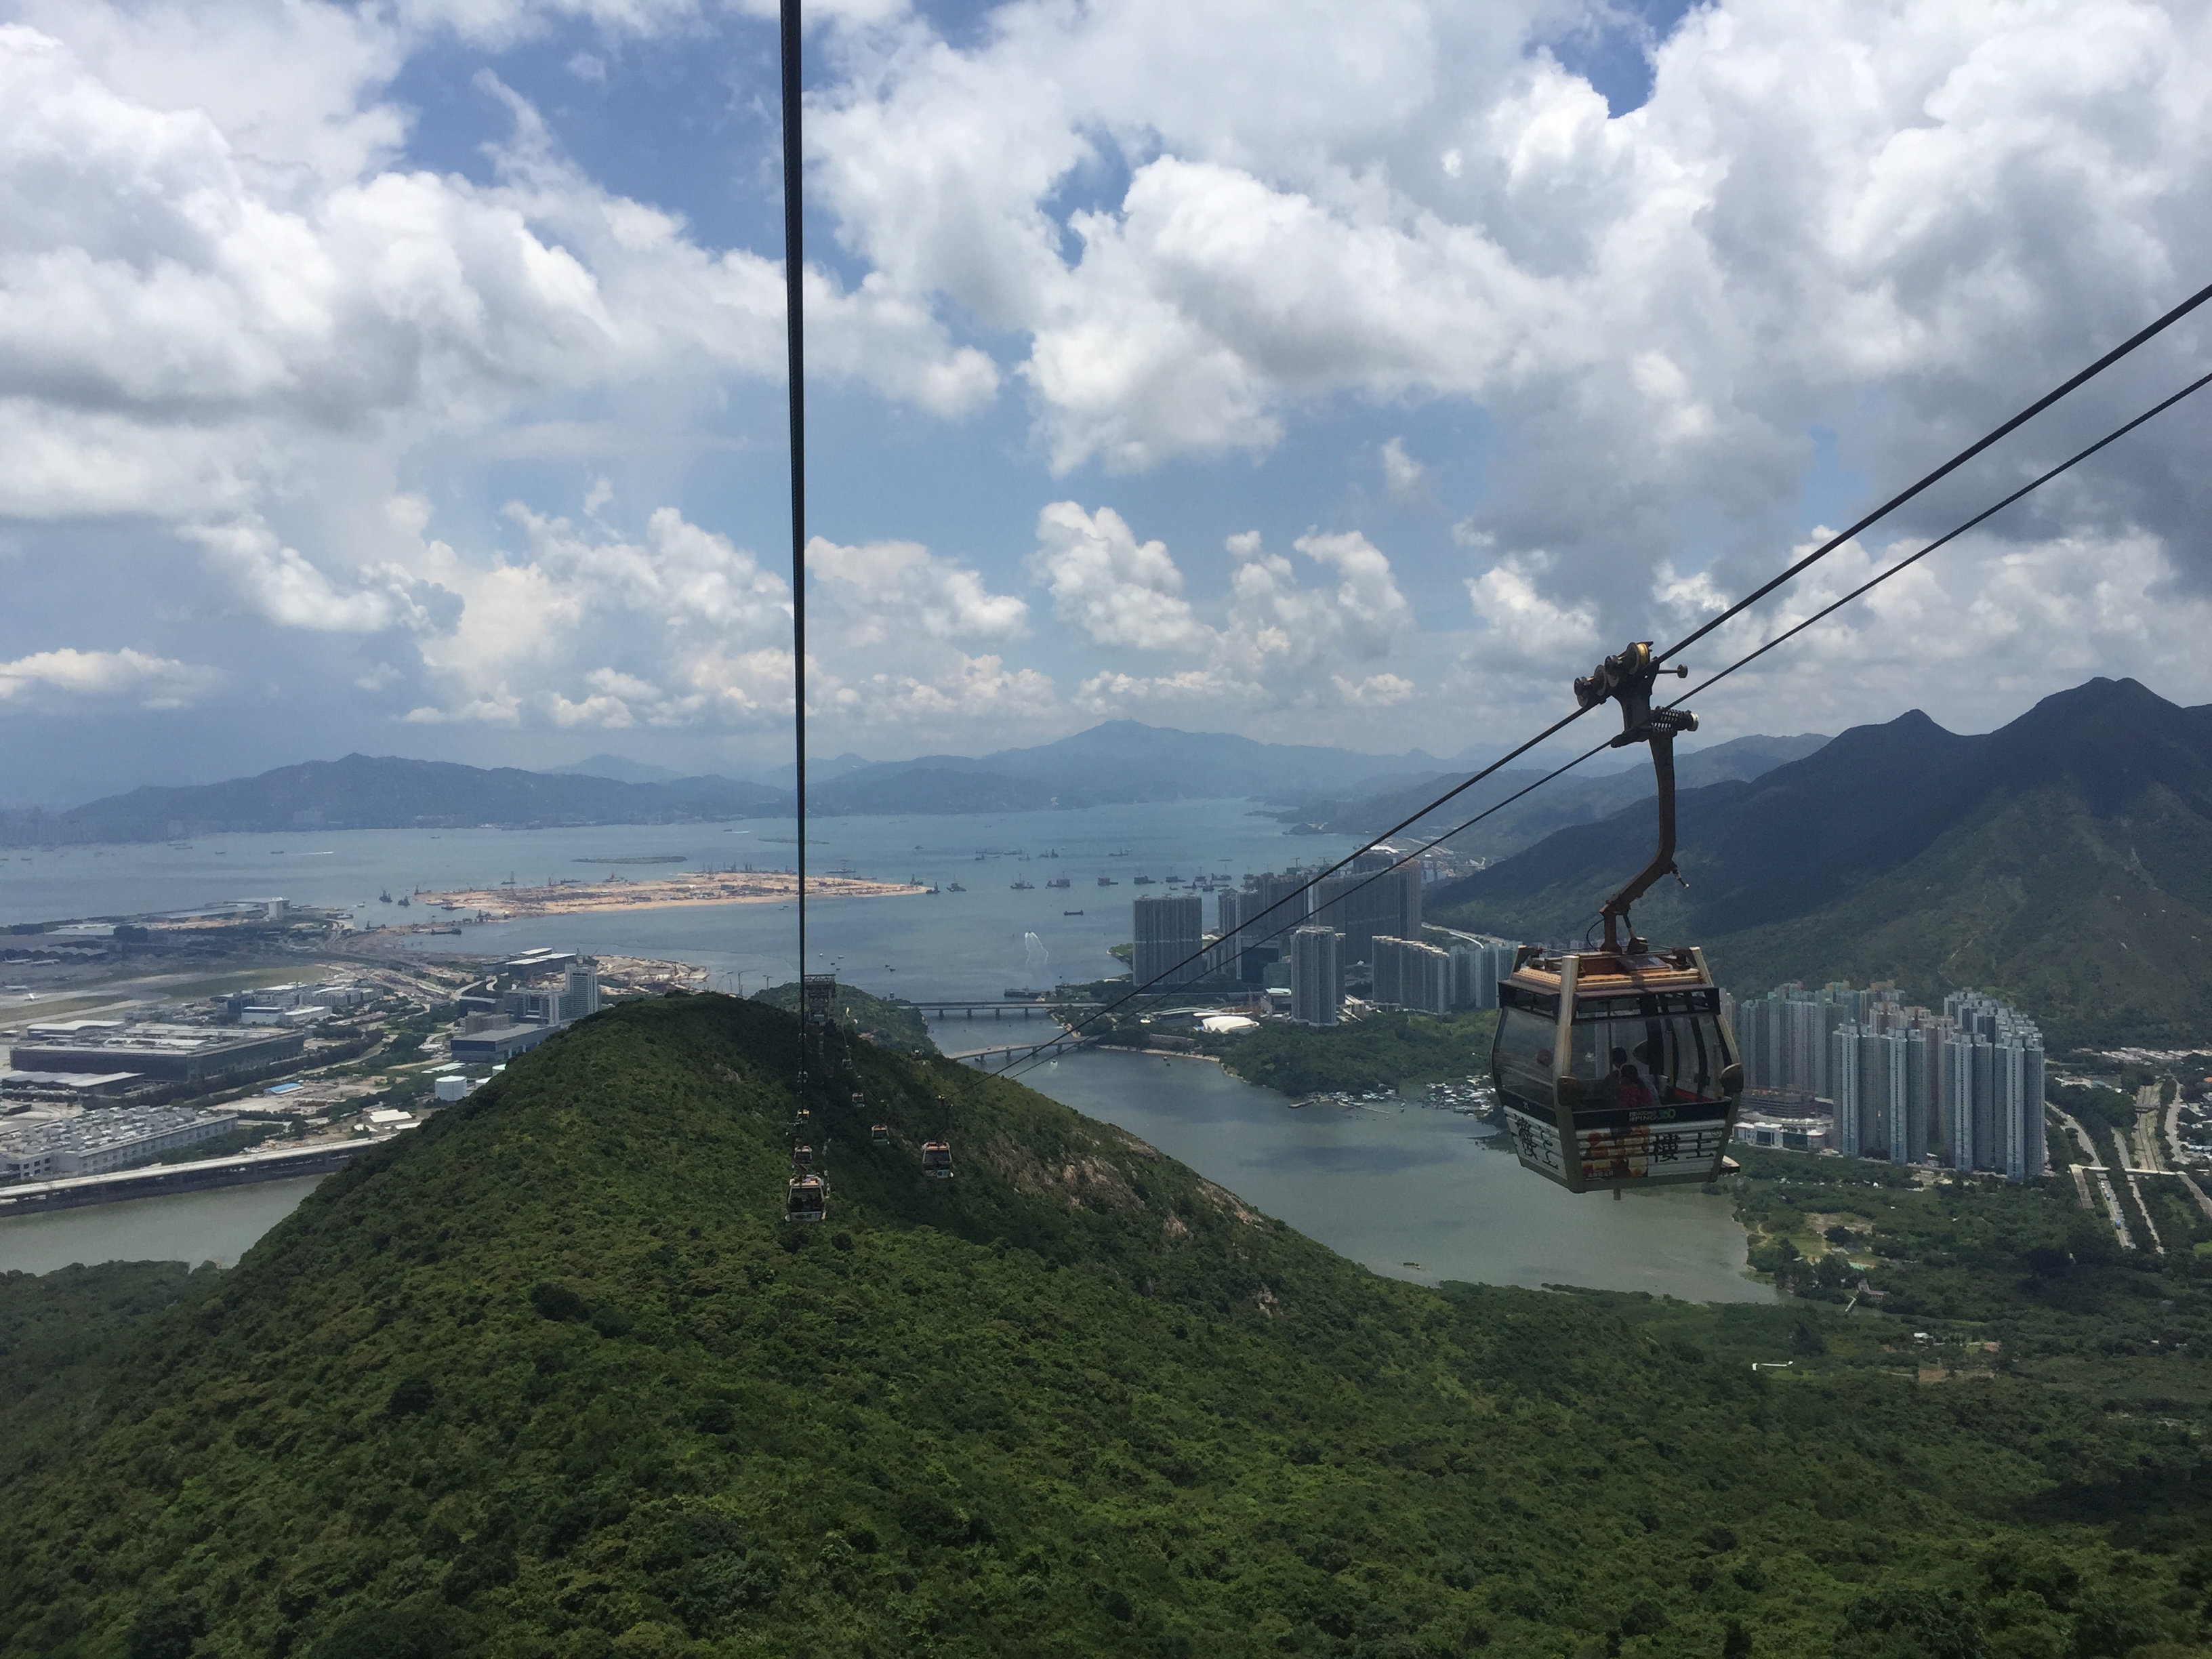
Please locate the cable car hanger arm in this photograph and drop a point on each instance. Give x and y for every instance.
(1627, 679)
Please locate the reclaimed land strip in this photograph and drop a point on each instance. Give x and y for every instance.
(723, 887)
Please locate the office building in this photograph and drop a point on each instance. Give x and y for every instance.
(94, 1142)
(1168, 932)
(159, 1053)
(1316, 975)
(495, 1045)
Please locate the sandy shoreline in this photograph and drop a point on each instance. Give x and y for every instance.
(656, 893)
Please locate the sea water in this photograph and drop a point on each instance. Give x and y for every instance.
(967, 944)
(1411, 1193)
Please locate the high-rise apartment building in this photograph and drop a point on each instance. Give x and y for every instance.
(1992, 1088)
(1271, 906)
(1904, 1082)
(1168, 933)
(1375, 895)
(1408, 974)
(1316, 975)
(1476, 968)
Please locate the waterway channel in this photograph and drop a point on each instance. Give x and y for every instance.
(1409, 1191)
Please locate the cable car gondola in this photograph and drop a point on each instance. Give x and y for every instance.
(1614, 1066)
(937, 1159)
(802, 1158)
(804, 1199)
(879, 1135)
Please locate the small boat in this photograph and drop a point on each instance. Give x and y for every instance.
(1108, 881)
(954, 887)
(404, 902)
(384, 897)
(1057, 881)
(1141, 881)
(1070, 912)
(1024, 887)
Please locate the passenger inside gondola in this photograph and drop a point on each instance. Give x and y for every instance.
(1630, 1093)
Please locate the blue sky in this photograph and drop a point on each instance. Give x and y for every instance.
(408, 380)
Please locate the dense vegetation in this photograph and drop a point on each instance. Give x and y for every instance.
(1384, 1049)
(551, 1376)
(2064, 862)
(897, 1026)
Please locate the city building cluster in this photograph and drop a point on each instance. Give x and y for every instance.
(497, 1024)
(1864, 1073)
(1360, 927)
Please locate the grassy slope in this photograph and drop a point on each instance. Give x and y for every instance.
(1074, 1401)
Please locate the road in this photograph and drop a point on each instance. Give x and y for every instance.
(2147, 1109)
(2096, 1166)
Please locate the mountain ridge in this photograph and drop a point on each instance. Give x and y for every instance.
(1904, 851)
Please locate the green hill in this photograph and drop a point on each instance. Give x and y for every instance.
(551, 1376)
(2064, 862)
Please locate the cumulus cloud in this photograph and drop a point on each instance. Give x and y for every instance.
(1656, 311)
(1117, 590)
(679, 627)
(220, 298)
(70, 678)
(1279, 641)
(886, 589)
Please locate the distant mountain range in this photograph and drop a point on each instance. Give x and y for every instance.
(2064, 861)
(1577, 797)
(365, 791)
(1120, 762)
(1117, 762)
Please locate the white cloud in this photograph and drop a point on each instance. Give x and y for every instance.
(886, 590)
(1654, 311)
(1525, 624)
(223, 308)
(70, 678)
(1119, 591)
(1278, 644)
(1404, 479)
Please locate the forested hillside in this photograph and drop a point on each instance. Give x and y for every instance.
(2064, 861)
(551, 1376)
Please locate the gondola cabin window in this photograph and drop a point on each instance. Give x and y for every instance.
(1644, 1061)
(1525, 1041)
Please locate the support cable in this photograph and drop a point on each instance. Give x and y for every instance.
(1868, 587)
(2140, 337)
(794, 332)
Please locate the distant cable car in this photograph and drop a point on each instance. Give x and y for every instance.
(802, 1158)
(879, 1135)
(937, 1159)
(804, 1200)
(1614, 1066)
